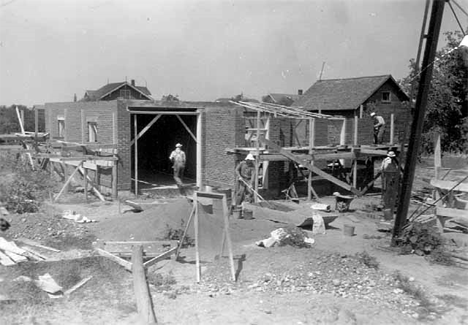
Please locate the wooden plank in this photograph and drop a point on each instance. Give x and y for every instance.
(150, 247)
(314, 169)
(36, 244)
(5, 260)
(10, 246)
(141, 289)
(181, 242)
(187, 129)
(33, 252)
(227, 236)
(77, 286)
(451, 213)
(146, 128)
(373, 152)
(84, 172)
(449, 185)
(67, 182)
(16, 257)
(437, 155)
(160, 257)
(126, 264)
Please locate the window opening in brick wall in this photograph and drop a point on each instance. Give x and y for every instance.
(386, 98)
(60, 128)
(92, 132)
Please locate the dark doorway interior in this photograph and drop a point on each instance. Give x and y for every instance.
(155, 146)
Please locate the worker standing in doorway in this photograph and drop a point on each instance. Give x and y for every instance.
(245, 174)
(379, 128)
(178, 159)
(390, 181)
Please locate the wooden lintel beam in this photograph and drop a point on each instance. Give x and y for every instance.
(312, 168)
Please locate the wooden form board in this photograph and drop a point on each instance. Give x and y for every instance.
(226, 236)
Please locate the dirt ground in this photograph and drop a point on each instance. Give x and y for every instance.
(338, 280)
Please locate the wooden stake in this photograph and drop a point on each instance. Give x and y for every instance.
(228, 237)
(68, 180)
(185, 232)
(140, 286)
(197, 244)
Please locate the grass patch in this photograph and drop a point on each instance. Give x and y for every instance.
(368, 260)
(162, 282)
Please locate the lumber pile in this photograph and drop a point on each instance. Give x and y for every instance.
(11, 254)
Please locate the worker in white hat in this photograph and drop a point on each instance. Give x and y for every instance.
(379, 127)
(390, 169)
(245, 172)
(178, 160)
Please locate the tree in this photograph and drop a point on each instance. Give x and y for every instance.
(447, 108)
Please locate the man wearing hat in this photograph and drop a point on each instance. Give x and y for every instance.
(245, 174)
(390, 181)
(178, 164)
(379, 127)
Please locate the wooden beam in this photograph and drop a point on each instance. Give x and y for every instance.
(146, 128)
(135, 126)
(187, 128)
(126, 264)
(449, 185)
(161, 257)
(84, 172)
(373, 152)
(141, 289)
(314, 169)
(68, 181)
(451, 213)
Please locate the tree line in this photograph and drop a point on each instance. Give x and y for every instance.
(9, 119)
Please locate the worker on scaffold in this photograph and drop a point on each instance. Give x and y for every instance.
(379, 128)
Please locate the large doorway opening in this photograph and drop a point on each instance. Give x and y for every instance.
(156, 137)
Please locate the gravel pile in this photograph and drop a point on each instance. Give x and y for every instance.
(344, 276)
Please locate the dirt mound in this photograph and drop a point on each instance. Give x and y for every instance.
(150, 224)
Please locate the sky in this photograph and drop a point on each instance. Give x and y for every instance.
(202, 50)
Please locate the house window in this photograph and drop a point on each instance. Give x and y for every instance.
(125, 93)
(60, 127)
(386, 97)
(92, 132)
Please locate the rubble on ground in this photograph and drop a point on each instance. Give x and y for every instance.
(43, 226)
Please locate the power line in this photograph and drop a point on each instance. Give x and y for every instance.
(456, 18)
(459, 7)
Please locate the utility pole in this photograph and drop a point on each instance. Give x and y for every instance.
(418, 117)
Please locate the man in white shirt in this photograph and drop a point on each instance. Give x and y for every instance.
(178, 164)
(390, 181)
(379, 128)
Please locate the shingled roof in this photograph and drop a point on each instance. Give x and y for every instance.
(111, 87)
(277, 97)
(343, 94)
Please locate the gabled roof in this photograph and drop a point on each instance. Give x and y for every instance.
(276, 97)
(110, 88)
(344, 94)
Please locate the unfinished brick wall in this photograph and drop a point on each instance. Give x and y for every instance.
(124, 167)
(224, 127)
(76, 116)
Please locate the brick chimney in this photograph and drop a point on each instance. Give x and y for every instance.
(299, 92)
(133, 82)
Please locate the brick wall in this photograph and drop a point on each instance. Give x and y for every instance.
(224, 127)
(76, 116)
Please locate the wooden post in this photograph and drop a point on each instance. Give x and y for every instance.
(437, 155)
(197, 244)
(114, 179)
(65, 175)
(36, 124)
(392, 129)
(135, 127)
(85, 174)
(140, 287)
(257, 157)
(311, 151)
(199, 150)
(432, 38)
(355, 169)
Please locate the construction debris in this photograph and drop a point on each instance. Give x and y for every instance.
(292, 236)
(48, 284)
(72, 215)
